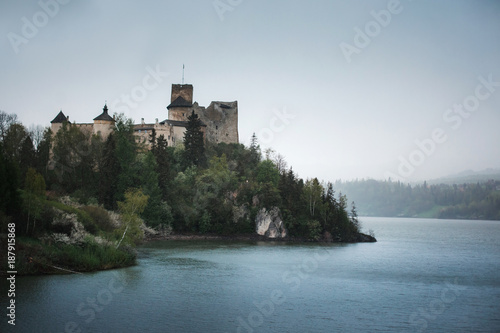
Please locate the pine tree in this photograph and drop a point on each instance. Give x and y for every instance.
(108, 172)
(27, 155)
(194, 141)
(162, 164)
(354, 217)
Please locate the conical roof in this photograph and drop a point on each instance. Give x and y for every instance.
(104, 115)
(60, 118)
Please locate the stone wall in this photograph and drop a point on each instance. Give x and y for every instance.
(184, 90)
(221, 119)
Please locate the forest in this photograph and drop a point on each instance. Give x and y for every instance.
(193, 188)
(480, 200)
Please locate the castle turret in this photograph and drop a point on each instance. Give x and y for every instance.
(57, 122)
(181, 101)
(104, 124)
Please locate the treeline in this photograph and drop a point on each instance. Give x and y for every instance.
(192, 188)
(458, 201)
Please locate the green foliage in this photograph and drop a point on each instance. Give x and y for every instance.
(100, 217)
(312, 194)
(33, 197)
(205, 223)
(194, 142)
(134, 204)
(27, 155)
(83, 217)
(214, 187)
(43, 153)
(10, 200)
(126, 156)
(167, 187)
(35, 257)
(109, 171)
(15, 136)
(314, 230)
(162, 156)
(267, 172)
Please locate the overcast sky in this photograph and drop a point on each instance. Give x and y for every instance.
(342, 89)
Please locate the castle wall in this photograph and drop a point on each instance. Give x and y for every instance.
(180, 113)
(87, 129)
(103, 128)
(221, 119)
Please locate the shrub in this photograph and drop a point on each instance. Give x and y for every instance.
(100, 216)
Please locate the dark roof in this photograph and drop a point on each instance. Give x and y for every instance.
(177, 123)
(104, 115)
(179, 102)
(59, 118)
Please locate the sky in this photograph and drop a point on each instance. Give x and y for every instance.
(342, 89)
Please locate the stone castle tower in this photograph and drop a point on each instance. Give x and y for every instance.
(220, 118)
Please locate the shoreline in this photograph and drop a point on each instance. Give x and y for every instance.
(359, 238)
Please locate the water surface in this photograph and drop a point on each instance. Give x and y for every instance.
(421, 275)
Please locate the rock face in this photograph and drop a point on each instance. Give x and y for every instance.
(270, 224)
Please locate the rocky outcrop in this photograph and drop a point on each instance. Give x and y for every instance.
(270, 224)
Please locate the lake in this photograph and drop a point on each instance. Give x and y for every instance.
(421, 275)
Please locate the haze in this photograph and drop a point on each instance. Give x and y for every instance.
(358, 89)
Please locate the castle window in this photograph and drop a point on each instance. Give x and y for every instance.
(216, 127)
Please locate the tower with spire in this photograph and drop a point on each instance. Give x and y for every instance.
(104, 124)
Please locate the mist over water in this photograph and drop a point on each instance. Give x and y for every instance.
(421, 275)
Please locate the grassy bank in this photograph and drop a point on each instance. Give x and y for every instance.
(34, 257)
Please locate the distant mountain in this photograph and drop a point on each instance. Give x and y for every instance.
(468, 176)
(473, 195)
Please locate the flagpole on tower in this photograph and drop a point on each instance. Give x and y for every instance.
(183, 74)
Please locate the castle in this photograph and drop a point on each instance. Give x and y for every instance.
(219, 120)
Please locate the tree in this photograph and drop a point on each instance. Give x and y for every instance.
(354, 217)
(162, 165)
(130, 209)
(255, 149)
(194, 141)
(212, 199)
(267, 172)
(37, 134)
(155, 213)
(72, 161)
(13, 141)
(6, 120)
(27, 155)
(312, 192)
(9, 184)
(34, 190)
(109, 171)
(126, 155)
(279, 161)
(43, 153)
(329, 207)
